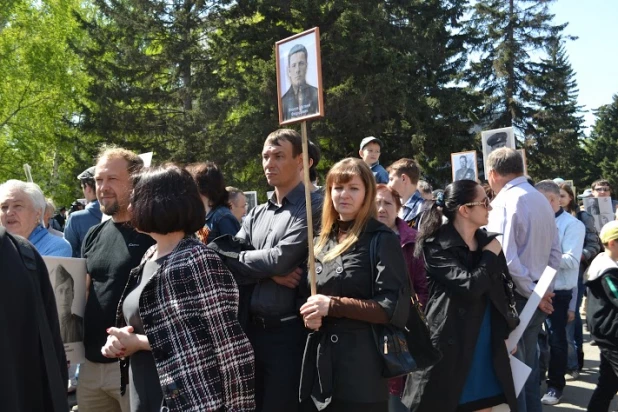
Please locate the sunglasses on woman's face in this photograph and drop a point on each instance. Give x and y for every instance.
(485, 202)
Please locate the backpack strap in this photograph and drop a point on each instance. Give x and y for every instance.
(57, 388)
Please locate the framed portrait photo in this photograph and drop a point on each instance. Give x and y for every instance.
(252, 199)
(495, 139)
(522, 152)
(463, 165)
(299, 77)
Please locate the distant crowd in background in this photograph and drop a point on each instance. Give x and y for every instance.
(194, 304)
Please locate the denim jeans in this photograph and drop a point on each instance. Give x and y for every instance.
(558, 345)
(575, 333)
(529, 400)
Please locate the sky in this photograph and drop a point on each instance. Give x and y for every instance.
(594, 55)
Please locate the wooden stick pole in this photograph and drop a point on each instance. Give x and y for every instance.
(307, 182)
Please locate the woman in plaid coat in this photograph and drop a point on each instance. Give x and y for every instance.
(177, 331)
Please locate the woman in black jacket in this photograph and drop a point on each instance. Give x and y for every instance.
(468, 308)
(342, 369)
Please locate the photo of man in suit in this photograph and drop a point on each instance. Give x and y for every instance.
(71, 325)
(301, 99)
(465, 171)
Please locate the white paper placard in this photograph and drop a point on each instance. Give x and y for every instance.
(520, 371)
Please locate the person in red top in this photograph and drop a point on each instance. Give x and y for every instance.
(388, 202)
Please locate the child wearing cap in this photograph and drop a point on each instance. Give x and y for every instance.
(602, 316)
(370, 153)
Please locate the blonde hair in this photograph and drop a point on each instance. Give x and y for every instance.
(343, 172)
(134, 162)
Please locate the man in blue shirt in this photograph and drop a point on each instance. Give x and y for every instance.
(81, 221)
(403, 176)
(370, 148)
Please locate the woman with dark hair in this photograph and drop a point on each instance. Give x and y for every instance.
(388, 203)
(592, 246)
(219, 217)
(469, 309)
(351, 297)
(176, 333)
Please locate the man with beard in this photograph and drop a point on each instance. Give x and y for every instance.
(111, 250)
(301, 99)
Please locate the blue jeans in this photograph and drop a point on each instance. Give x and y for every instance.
(575, 333)
(558, 345)
(529, 400)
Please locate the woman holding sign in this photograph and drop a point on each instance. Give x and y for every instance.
(468, 311)
(347, 375)
(177, 332)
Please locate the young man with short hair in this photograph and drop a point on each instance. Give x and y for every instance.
(403, 176)
(602, 188)
(370, 148)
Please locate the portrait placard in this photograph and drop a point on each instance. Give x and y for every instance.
(522, 152)
(463, 165)
(494, 139)
(252, 200)
(299, 77)
(68, 280)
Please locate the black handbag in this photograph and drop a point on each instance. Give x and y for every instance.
(512, 317)
(408, 349)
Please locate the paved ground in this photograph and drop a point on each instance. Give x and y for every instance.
(576, 394)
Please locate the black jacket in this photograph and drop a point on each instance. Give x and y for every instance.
(458, 291)
(25, 382)
(343, 353)
(602, 310)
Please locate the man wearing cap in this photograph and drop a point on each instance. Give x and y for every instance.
(301, 99)
(496, 141)
(370, 148)
(81, 221)
(602, 316)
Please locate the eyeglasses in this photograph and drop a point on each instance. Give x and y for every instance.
(601, 189)
(485, 202)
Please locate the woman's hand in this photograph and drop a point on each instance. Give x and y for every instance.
(494, 246)
(123, 342)
(318, 304)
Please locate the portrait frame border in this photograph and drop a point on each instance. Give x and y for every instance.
(476, 169)
(320, 112)
(522, 152)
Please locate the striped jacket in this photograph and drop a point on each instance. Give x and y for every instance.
(189, 311)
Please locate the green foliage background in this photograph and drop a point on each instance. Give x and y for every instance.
(195, 80)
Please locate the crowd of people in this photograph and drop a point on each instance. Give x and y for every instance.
(193, 304)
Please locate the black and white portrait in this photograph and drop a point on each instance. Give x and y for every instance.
(299, 79)
(464, 166)
(68, 279)
(495, 139)
(252, 200)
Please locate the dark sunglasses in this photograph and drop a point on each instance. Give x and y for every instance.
(485, 202)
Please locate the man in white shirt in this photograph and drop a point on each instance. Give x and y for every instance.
(530, 243)
(571, 233)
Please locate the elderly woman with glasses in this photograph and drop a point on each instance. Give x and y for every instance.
(469, 308)
(22, 207)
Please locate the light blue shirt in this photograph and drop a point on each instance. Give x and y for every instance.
(571, 233)
(49, 245)
(529, 238)
(79, 223)
(379, 173)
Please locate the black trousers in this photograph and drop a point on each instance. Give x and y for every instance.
(278, 359)
(342, 406)
(608, 381)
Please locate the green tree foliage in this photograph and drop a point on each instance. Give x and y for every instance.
(387, 66)
(602, 146)
(41, 80)
(553, 139)
(504, 38)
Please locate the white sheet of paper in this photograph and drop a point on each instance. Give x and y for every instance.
(147, 158)
(520, 371)
(533, 302)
